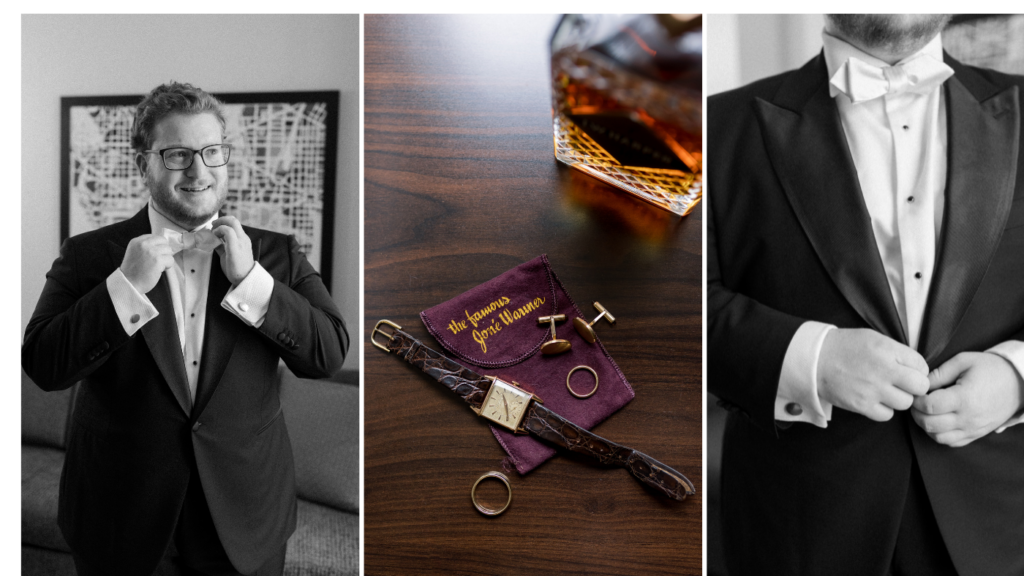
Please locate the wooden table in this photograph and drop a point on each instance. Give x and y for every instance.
(462, 185)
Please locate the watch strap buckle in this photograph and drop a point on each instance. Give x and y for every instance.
(377, 329)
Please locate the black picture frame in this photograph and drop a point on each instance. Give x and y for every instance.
(329, 99)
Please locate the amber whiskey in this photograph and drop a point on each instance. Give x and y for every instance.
(626, 103)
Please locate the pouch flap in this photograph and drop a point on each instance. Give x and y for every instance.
(495, 323)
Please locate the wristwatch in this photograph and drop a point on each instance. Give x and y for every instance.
(509, 406)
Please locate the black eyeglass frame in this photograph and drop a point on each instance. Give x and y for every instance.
(227, 157)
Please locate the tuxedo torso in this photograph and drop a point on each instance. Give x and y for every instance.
(790, 240)
(136, 437)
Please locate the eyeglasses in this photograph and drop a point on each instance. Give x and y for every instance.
(214, 156)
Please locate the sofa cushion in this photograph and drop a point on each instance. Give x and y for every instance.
(325, 543)
(40, 482)
(323, 423)
(44, 415)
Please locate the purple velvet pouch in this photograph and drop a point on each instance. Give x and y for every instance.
(493, 330)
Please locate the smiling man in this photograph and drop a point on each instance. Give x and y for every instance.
(175, 321)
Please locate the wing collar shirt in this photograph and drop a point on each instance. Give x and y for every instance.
(189, 281)
(898, 144)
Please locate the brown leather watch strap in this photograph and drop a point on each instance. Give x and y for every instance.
(471, 386)
(541, 421)
(544, 423)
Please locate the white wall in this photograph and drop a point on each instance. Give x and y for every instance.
(115, 55)
(746, 47)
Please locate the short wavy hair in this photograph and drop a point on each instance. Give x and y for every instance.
(166, 99)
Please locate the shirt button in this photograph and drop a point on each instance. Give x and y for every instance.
(243, 306)
(917, 275)
(134, 318)
(195, 362)
(905, 127)
(794, 409)
(911, 199)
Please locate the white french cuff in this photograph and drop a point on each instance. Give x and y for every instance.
(133, 308)
(1013, 352)
(797, 397)
(250, 300)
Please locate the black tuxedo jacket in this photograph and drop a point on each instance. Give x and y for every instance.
(135, 434)
(789, 240)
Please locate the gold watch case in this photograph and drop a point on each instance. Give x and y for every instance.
(505, 404)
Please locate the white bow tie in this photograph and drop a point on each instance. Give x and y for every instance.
(200, 240)
(862, 81)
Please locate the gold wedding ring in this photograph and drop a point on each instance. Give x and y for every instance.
(573, 392)
(480, 507)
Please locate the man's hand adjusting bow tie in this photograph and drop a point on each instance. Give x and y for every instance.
(862, 81)
(235, 250)
(145, 259)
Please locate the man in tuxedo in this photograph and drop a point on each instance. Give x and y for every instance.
(866, 225)
(175, 321)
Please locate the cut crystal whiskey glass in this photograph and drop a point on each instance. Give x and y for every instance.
(626, 103)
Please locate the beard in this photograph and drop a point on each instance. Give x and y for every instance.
(184, 209)
(892, 33)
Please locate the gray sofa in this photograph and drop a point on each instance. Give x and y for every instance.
(323, 423)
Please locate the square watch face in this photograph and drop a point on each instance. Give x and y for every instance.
(505, 404)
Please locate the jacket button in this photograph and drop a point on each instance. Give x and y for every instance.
(282, 337)
(104, 346)
(196, 426)
(794, 409)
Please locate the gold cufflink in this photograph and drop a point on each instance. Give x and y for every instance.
(555, 345)
(586, 330)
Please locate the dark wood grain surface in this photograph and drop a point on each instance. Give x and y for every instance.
(462, 185)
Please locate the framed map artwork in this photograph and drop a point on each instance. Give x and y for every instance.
(988, 40)
(281, 176)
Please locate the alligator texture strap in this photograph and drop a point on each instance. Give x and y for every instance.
(544, 423)
(471, 386)
(541, 421)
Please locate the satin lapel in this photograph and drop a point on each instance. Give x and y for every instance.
(982, 169)
(161, 334)
(807, 148)
(221, 332)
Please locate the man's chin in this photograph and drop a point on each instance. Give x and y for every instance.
(188, 215)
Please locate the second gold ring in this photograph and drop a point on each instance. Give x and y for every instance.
(569, 386)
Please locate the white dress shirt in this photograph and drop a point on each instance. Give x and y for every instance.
(189, 281)
(902, 139)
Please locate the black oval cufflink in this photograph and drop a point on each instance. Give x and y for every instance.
(586, 329)
(794, 409)
(555, 345)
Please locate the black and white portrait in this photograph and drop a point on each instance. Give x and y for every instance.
(865, 295)
(190, 291)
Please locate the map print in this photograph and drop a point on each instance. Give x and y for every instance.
(276, 172)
